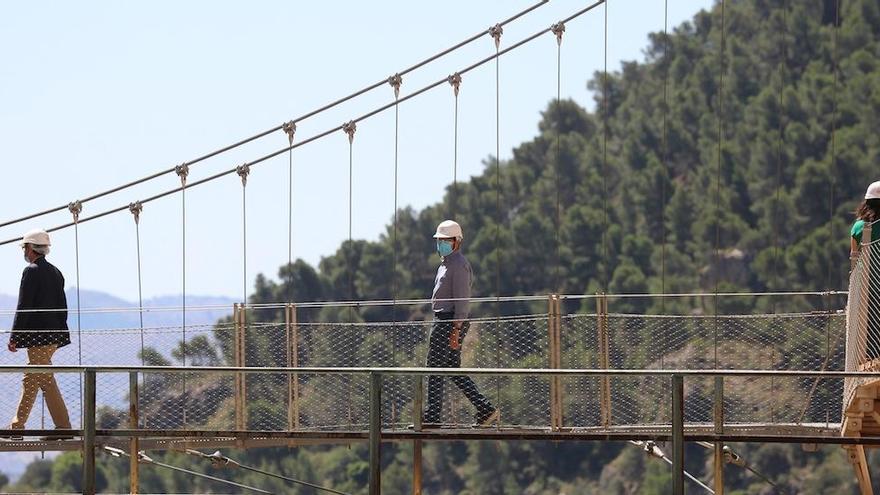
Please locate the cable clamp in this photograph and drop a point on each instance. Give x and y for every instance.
(136, 208)
(455, 81)
(496, 31)
(243, 170)
(289, 128)
(75, 208)
(113, 451)
(395, 81)
(350, 128)
(182, 171)
(558, 29)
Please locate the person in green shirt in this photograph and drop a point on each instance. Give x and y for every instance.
(868, 213)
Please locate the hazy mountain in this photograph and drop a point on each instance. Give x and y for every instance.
(165, 310)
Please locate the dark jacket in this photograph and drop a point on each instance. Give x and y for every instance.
(42, 287)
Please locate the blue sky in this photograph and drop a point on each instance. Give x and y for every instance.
(95, 94)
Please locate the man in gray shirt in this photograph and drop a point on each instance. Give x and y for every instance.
(450, 302)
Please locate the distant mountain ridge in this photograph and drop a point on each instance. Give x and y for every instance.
(125, 318)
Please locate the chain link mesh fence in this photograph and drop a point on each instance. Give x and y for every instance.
(863, 314)
(286, 401)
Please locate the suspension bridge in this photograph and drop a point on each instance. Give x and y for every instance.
(266, 376)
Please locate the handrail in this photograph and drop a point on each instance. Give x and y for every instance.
(412, 302)
(409, 371)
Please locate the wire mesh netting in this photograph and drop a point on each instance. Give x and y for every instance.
(801, 341)
(286, 401)
(863, 314)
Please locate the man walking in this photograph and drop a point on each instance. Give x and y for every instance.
(450, 302)
(40, 332)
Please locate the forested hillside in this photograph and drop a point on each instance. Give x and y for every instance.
(684, 178)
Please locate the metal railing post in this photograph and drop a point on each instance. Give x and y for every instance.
(418, 402)
(604, 358)
(677, 435)
(718, 415)
(134, 442)
(417, 467)
(375, 484)
(240, 394)
(88, 479)
(418, 410)
(555, 360)
(292, 332)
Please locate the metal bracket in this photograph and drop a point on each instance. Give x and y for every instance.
(75, 208)
(289, 128)
(395, 81)
(136, 208)
(455, 81)
(496, 31)
(182, 171)
(350, 128)
(558, 29)
(243, 170)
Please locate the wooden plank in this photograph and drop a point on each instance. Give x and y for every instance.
(856, 455)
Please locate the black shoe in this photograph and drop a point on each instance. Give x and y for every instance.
(487, 418)
(425, 426)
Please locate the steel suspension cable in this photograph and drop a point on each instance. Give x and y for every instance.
(182, 172)
(783, 63)
(720, 111)
(835, 61)
(558, 29)
(606, 263)
(665, 165)
(243, 171)
(289, 480)
(326, 132)
(834, 105)
(278, 127)
(136, 209)
(75, 209)
(219, 460)
(290, 129)
(395, 82)
(145, 459)
(350, 128)
(455, 81)
(497, 31)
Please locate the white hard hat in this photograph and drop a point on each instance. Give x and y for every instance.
(873, 191)
(447, 229)
(38, 237)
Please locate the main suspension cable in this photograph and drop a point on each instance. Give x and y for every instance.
(145, 459)
(219, 460)
(278, 127)
(326, 132)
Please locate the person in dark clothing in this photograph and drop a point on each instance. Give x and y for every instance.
(453, 281)
(40, 332)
